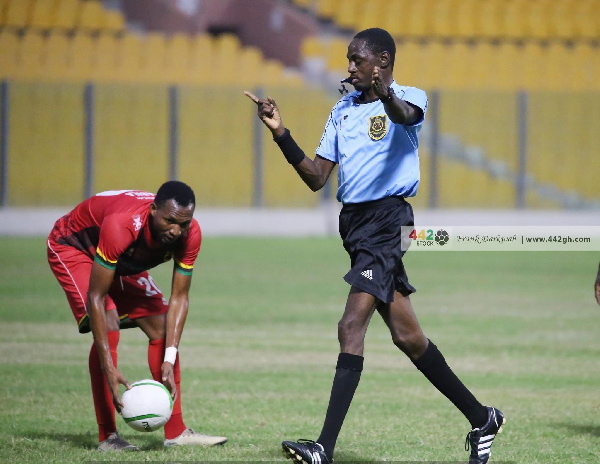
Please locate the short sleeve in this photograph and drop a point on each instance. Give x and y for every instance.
(328, 145)
(185, 258)
(115, 237)
(418, 98)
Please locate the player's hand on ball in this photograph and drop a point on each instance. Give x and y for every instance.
(168, 379)
(377, 84)
(114, 378)
(268, 113)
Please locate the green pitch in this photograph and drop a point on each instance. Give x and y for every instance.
(522, 330)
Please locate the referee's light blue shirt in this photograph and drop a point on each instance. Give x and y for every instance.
(376, 157)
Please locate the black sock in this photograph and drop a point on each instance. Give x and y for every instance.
(433, 366)
(347, 376)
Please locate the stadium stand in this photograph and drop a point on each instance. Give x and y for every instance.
(477, 54)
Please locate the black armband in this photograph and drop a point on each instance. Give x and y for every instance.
(290, 149)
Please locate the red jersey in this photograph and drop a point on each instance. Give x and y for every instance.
(112, 228)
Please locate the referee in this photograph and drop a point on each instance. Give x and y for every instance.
(373, 135)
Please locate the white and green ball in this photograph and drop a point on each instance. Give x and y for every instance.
(147, 406)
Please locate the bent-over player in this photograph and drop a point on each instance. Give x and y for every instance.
(372, 134)
(100, 253)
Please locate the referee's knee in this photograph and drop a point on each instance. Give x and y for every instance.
(412, 344)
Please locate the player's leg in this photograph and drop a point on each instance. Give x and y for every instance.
(72, 270)
(408, 337)
(352, 328)
(142, 300)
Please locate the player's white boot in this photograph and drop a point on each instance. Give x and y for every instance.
(189, 437)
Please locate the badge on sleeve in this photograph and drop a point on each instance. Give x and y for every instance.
(378, 126)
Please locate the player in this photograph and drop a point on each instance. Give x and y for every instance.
(372, 134)
(100, 253)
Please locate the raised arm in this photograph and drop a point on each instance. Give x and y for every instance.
(314, 172)
(399, 111)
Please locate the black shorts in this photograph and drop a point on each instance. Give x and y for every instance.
(371, 235)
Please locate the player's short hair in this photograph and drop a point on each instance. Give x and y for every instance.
(379, 41)
(175, 190)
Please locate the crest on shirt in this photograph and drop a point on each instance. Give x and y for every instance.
(378, 126)
(137, 222)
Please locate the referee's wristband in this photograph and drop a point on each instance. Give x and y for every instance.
(290, 149)
(170, 355)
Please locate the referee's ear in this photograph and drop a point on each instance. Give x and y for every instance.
(384, 59)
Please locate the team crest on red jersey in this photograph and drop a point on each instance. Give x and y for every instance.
(137, 222)
(378, 126)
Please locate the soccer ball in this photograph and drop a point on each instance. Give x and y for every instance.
(147, 406)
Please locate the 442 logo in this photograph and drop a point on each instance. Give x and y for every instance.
(429, 237)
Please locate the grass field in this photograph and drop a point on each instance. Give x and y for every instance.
(521, 329)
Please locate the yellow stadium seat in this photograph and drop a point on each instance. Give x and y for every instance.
(337, 55)
(226, 50)
(251, 66)
(396, 17)
(587, 19)
(468, 21)
(586, 66)
(178, 57)
(106, 56)
(371, 14)
(43, 14)
(538, 20)
(444, 18)
(81, 58)
(17, 13)
(56, 57)
(9, 46)
(272, 73)
(67, 14)
(153, 58)
(513, 19)
(114, 21)
(532, 74)
(328, 8)
(347, 16)
(459, 65)
(490, 19)
(418, 22)
(311, 47)
(202, 59)
(562, 19)
(406, 64)
(129, 53)
(91, 16)
(30, 56)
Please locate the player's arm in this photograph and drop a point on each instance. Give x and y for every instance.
(399, 111)
(597, 286)
(314, 172)
(100, 281)
(176, 315)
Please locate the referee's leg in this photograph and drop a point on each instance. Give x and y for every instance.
(408, 336)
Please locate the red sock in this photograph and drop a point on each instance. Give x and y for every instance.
(156, 354)
(105, 410)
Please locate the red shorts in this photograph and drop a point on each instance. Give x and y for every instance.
(132, 296)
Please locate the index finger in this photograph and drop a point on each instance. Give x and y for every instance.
(251, 96)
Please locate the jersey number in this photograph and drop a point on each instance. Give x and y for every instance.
(151, 288)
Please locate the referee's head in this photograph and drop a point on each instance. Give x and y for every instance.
(379, 41)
